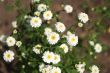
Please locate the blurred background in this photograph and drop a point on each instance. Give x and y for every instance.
(98, 11)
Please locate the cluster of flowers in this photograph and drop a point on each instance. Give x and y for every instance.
(43, 13)
(49, 69)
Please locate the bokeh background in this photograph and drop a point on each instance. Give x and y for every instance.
(98, 11)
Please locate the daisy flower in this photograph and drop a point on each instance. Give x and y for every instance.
(56, 70)
(68, 8)
(35, 1)
(10, 41)
(8, 56)
(69, 33)
(47, 15)
(35, 22)
(14, 24)
(48, 57)
(42, 7)
(41, 67)
(80, 24)
(47, 31)
(18, 43)
(80, 67)
(56, 59)
(98, 48)
(48, 68)
(91, 43)
(2, 38)
(53, 38)
(60, 27)
(37, 13)
(83, 17)
(37, 48)
(94, 69)
(64, 47)
(15, 31)
(72, 40)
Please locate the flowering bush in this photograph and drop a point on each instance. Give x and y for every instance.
(43, 44)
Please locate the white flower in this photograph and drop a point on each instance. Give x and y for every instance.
(98, 48)
(47, 31)
(56, 70)
(53, 38)
(91, 43)
(2, 38)
(68, 8)
(64, 47)
(37, 13)
(41, 67)
(48, 68)
(8, 56)
(80, 67)
(35, 22)
(15, 31)
(80, 24)
(48, 57)
(37, 48)
(83, 17)
(72, 40)
(42, 7)
(18, 43)
(56, 59)
(94, 69)
(10, 41)
(69, 33)
(27, 16)
(60, 27)
(14, 24)
(47, 15)
(35, 1)
(45, 68)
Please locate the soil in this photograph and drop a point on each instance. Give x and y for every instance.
(6, 17)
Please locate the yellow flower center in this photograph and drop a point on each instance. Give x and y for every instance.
(73, 39)
(47, 14)
(49, 56)
(56, 72)
(55, 58)
(8, 55)
(35, 20)
(53, 37)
